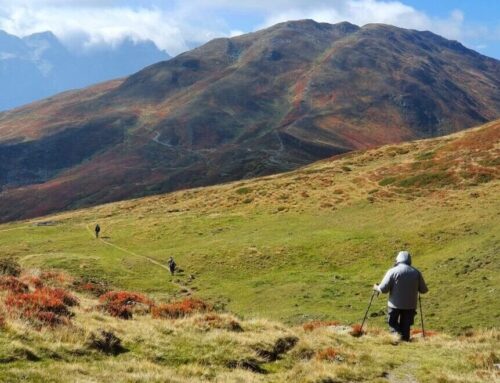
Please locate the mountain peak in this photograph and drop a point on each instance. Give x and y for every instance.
(255, 104)
(311, 25)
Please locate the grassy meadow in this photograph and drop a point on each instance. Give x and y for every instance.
(277, 252)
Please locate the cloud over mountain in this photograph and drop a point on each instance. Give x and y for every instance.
(176, 26)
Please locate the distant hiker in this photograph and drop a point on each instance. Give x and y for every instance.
(97, 230)
(171, 265)
(403, 283)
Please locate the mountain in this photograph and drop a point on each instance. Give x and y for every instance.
(252, 105)
(38, 66)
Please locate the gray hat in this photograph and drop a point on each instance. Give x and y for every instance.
(403, 257)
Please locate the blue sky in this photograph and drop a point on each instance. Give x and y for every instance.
(177, 25)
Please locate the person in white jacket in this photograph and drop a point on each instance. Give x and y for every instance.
(403, 283)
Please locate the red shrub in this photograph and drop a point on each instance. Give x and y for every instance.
(121, 304)
(43, 306)
(215, 321)
(356, 330)
(313, 325)
(180, 309)
(55, 277)
(95, 288)
(67, 298)
(32, 280)
(12, 284)
(329, 354)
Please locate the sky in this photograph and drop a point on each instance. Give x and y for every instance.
(178, 25)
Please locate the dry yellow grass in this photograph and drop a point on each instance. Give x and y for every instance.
(190, 350)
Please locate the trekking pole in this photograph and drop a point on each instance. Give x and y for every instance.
(368, 309)
(421, 315)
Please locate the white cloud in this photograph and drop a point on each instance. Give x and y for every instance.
(83, 26)
(177, 25)
(363, 12)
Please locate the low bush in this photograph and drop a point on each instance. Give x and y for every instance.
(13, 284)
(57, 278)
(122, 304)
(215, 321)
(9, 266)
(328, 354)
(356, 330)
(92, 287)
(436, 179)
(106, 342)
(310, 326)
(418, 331)
(243, 190)
(32, 280)
(281, 346)
(180, 309)
(67, 298)
(43, 306)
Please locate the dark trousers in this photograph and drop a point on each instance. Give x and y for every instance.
(400, 321)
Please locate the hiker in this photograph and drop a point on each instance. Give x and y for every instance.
(171, 265)
(97, 230)
(403, 283)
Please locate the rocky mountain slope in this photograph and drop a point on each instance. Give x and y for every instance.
(234, 108)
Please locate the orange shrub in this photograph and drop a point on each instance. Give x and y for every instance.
(32, 280)
(43, 306)
(12, 284)
(55, 277)
(95, 288)
(180, 309)
(418, 331)
(67, 298)
(328, 354)
(356, 330)
(215, 321)
(121, 304)
(313, 325)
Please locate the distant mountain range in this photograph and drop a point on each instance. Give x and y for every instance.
(38, 66)
(251, 105)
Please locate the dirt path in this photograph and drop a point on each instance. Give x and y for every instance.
(153, 261)
(14, 228)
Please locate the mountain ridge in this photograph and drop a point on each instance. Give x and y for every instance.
(257, 104)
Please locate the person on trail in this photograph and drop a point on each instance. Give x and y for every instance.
(97, 230)
(171, 265)
(403, 283)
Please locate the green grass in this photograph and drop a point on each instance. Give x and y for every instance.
(303, 245)
(291, 266)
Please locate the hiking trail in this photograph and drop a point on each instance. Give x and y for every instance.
(153, 261)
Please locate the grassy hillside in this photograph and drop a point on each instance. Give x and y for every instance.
(303, 245)
(212, 347)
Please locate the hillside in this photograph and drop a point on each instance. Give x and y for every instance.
(206, 346)
(39, 65)
(306, 244)
(252, 105)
